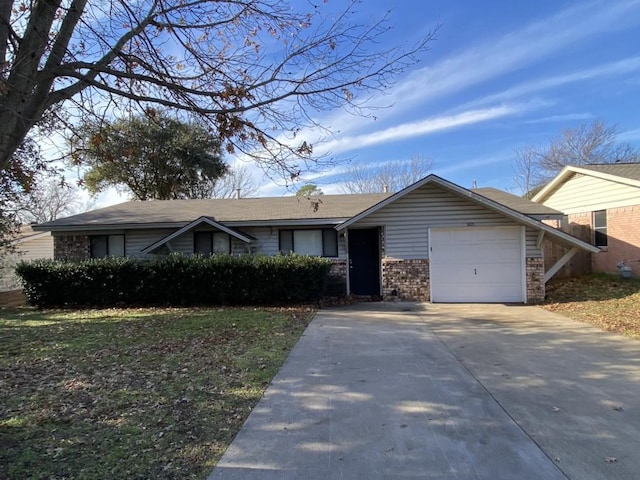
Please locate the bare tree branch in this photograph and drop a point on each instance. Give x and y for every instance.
(257, 70)
(49, 200)
(586, 144)
(526, 169)
(391, 177)
(238, 180)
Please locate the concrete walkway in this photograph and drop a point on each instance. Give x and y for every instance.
(382, 391)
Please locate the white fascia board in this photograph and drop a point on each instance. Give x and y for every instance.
(542, 195)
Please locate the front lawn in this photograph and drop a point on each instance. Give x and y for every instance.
(136, 393)
(606, 301)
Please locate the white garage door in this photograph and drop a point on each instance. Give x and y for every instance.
(477, 264)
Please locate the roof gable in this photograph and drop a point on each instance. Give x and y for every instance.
(622, 173)
(202, 220)
(475, 198)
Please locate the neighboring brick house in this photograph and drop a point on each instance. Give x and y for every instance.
(434, 240)
(605, 197)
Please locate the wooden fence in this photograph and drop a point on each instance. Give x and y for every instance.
(580, 263)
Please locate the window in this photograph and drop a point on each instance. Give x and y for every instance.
(107, 246)
(321, 243)
(600, 228)
(207, 243)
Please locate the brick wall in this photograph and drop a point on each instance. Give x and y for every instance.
(71, 247)
(408, 279)
(623, 231)
(338, 278)
(535, 280)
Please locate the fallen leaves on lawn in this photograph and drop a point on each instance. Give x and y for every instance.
(605, 301)
(139, 393)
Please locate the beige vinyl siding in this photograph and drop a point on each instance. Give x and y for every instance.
(37, 248)
(407, 220)
(584, 193)
(41, 247)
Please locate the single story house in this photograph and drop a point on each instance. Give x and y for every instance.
(433, 241)
(605, 198)
(27, 245)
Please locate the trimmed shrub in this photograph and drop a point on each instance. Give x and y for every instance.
(175, 280)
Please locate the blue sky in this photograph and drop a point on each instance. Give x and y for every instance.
(500, 75)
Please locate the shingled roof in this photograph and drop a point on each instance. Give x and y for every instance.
(327, 208)
(625, 170)
(519, 204)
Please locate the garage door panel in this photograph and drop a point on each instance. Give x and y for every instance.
(477, 265)
(472, 256)
(486, 293)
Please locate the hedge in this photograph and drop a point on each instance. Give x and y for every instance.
(175, 280)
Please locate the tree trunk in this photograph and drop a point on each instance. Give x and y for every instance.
(13, 132)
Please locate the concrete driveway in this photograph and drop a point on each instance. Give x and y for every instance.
(377, 391)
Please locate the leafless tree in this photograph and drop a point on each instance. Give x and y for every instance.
(392, 176)
(50, 199)
(526, 169)
(237, 180)
(258, 70)
(586, 144)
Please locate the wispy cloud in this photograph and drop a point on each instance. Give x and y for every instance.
(629, 135)
(560, 118)
(497, 56)
(474, 163)
(489, 59)
(419, 128)
(613, 69)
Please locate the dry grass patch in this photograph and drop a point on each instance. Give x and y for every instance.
(135, 393)
(607, 301)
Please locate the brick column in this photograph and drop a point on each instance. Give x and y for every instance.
(535, 280)
(337, 284)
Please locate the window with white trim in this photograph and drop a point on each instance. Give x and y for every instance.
(600, 228)
(208, 243)
(316, 242)
(107, 246)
